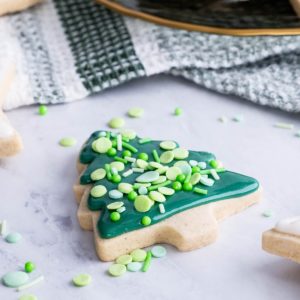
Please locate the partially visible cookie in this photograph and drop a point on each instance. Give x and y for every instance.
(11, 6)
(296, 6)
(284, 239)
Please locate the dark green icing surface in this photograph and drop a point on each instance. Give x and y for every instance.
(230, 185)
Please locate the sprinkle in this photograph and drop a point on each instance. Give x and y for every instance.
(238, 118)
(68, 142)
(108, 172)
(113, 134)
(31, 283)
(98, 191)
(13, 238)
(28, 297)
(82, 280)
(129, 147)
(43, 110)
(193, 163)
(137, 185)
(145, 141)
(3, 228)
(127, 173)
(161, 208)
(284, 125)
(135, 112)
(268, 213)
(214, 174)
(134, 266)
(177, 111)
(146, 221)
(206, 181)
(158, 251)
(115, 205)
(138, 255)
(102, 134)
(138, 170)
(124, 259)
(114, 171)
(117, 270)
(118, 158)
(116, 123)
(155, 156)
(188, 177)
(297, 134)
(119, 142)
(202, 165)
(208, 171)
(200, 191)
(15, 279)
(223, 119)
(147, 262)
(121, 209)
(130, 159)
(29, 267)
(143, 190)
(155, 187)
(115, 194)
(108, 134)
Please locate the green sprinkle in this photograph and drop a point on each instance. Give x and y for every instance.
(129, 134)
(125, 188)
(140, 163)
(29, 267)
(297, 134)
(126, 153)
(118, 158)
(98, 174)
(214, 163)
(173, 172)
(157, 186)
(157, 196)
(115, 194)
(166, 191)
(268, 213)
(160, 179)
(102, 145)
(124, 259)
(129, 147)
(284, 125)
(82, 280)
(158, 251)
(68, 142)
(28, 297)
(15, 279)
(208, 171)
(223, 119)
(166, 157)
(132, 195)
(43, 110)
(167, 145)
(200, 191)
(180, 153)
(177, 111)
(118, 165)
(116, 123)
(13, 238)
(135, 112)
(149, 176)
(115, 216)
(147, 262)
(142, 203)
(177, 186)
(195, 178)
(187, 178)
(143, 156)
(155, 156)
(115, 205)
(117, 270)
(134, 266)
(180, 178)
(98, 191)
(111, 152)
(196, 169)
(145, 141)
(138, 255)
(187, 186)
(108, 171)
(146, 221)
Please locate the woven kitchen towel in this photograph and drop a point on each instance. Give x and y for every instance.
(67, 49)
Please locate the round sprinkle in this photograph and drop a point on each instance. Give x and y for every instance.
(116, 123)
(135, 112)
(68, 142)
(268, 213)
(166, 157)
(115, 216)
(148, 177)
(124, 259)
(118, 165)
(187, 186)
(116, 178)
(173, 172)
(178, 111)
(193, 163)
(15, 279)
(143, 190)
(158, 251)
(101, 145)
(214, 163)
(126, 153)
(98, 191)
(202, 165)
(143, 156)
(146, 221)
(128, 134)
(180, 178)
(195, 169)
(168, 145)
(140, 163)
(142, 203)
(160, 179)
(185, 168)
(29, 267)
(111, 152)
(157, 196)
(132, 195)
(115, 194)
(28, 297)
(115, 205)
(13, 238)
(166, 191)
(180, 153)
(238, 118)
(138, 255)
(82, 280)
(195, 178)
(125, 188)
(98, 174)
(177, 186)
(134, 266)
(102, 133)
(116, 270)
(43, 110)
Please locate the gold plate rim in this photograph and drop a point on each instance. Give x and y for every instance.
(192, 27)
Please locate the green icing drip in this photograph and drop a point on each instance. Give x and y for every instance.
(230, 185)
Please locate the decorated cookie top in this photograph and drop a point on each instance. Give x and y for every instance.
(138, 182)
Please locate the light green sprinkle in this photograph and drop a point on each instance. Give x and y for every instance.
(125, 188)
(166, 157)
(155, 165)
(134, 266)
(137, 185)
(167, 145)
(140, 163)
(147, 262)
(158, 251)
(138, 255)
(82, 280)
(135, 112)
(155, 156)
(178, 111)
(166, 191)
(15, 279)
(116, 123)
(117, 270)
(180, 153)
(145, 141)
(195, 178)
(149, 176)
(28, 297)
(268, 213)
(115, 205)
(68, 142)
(129, 147)
(284, 125)
(157, 186)
(98, 191)
(143, 203)
(124, 259)
(157, 196)
(120, 159)
(98, 174)
(13, 238)
(102, 134)
(101, 145)
(143, 190)
(118, 165)
(200, 191)
(208, 171)
(173, 172)
(161, 208)
(160, 179)
(188, 177)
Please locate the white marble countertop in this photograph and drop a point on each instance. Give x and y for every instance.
(37, 198)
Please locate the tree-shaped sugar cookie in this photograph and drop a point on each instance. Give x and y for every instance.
(135, 192)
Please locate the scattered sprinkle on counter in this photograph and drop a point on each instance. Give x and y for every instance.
(68, 142)
(28, 297)
(116, 123)
(268, 213)
(43, 110)
(297, 134)
(178, 111)
(284, 125)
(223, 119)
(13, 238)
(82, 280)
(238, 118)
(15, 279)
(135, 112)
(29, 267)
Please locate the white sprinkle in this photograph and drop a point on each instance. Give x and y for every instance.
(121, 209)
(223, 119)
(161, 208)
(119, 142)
(214, 174)
(138, 170)
(113, 134)
(202, 165)
(238, 118)
(130, 159)
(297, 134)
(193, 163)
(284, 125)
(114, 171)
(3, 227)
(127, 173)
(30, 284)
(102, 133)
(207, 181)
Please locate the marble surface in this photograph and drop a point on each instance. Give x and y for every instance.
(36, 196)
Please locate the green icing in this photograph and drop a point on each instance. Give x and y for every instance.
(230, 185)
